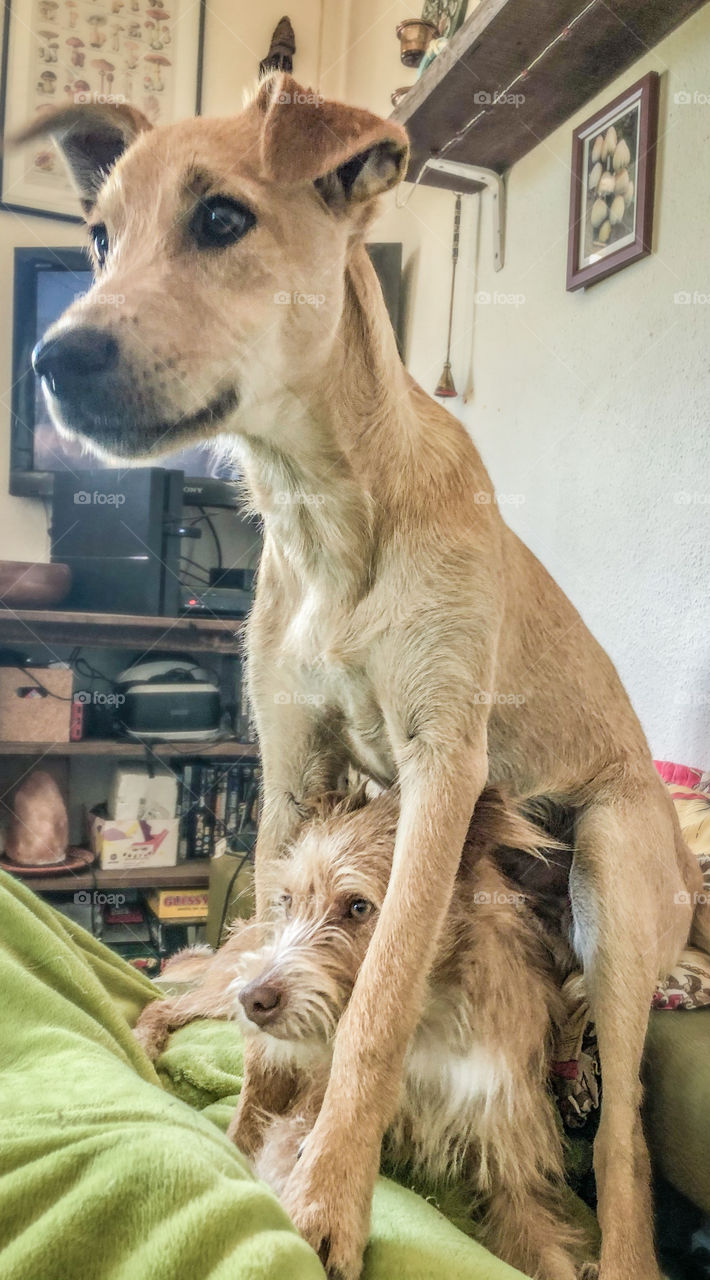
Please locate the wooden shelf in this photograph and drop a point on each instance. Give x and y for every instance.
(54, 628)
(499, 41)
(226, 750)
(193, 874)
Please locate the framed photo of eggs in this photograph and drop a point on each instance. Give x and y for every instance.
(613, 176)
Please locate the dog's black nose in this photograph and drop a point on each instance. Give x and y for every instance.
(262, 1001)
(73, 355)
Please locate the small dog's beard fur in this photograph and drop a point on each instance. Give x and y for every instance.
(474, 1105)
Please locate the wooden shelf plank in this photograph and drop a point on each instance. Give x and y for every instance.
(502, 38)
(55, 627)
(227, 750)
(193, 874)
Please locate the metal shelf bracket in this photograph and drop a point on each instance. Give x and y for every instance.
(493, 183)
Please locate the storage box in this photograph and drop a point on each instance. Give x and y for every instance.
(29, 713)
(134, 793)
(134, 842)
(179, 904)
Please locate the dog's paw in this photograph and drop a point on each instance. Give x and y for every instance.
(589, 1271)
(327, 1222)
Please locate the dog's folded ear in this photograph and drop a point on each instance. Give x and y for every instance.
(349, 154)
(90, 137)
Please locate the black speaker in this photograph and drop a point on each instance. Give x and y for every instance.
(119, 533)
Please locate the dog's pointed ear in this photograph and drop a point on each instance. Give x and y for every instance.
(91, 138)
(349, 154)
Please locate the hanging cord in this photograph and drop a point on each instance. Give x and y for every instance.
(454, 261)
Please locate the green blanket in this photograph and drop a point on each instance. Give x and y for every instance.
(106, 1175)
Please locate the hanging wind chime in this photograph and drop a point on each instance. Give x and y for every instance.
(445, 386)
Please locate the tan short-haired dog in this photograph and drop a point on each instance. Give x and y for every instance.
(399, 625)
(474, 1105)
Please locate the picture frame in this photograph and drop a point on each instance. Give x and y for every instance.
(613, 183)
(148, 53)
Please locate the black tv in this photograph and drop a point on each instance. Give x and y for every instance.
(46, 282)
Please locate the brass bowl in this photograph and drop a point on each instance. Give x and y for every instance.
(414, 35)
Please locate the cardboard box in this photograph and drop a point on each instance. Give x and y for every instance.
(179, 904)
(29, 713)
(135, 794)
(134, 842)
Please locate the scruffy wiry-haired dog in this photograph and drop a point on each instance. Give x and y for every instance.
(474, 1103)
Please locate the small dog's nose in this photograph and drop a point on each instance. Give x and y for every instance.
(262, 1001)
(73, 355)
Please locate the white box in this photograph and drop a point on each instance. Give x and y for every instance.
(135, 794)
(133, 842)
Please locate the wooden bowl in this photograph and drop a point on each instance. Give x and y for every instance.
(24, 585)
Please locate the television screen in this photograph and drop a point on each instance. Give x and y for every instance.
(46, 283)
(55, 289)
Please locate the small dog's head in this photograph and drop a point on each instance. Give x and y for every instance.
(220, 250)
(326, 896)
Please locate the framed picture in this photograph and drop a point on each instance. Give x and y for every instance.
(447, 15)
(613, 175)
(144, 52)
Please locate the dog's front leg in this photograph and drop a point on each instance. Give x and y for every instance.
(300, 758)
(329, 1192)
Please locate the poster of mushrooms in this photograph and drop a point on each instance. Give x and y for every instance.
(144, 52)
(613, 175)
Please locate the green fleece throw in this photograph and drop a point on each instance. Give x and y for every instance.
(110, 1170)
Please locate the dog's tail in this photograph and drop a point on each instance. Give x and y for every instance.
(534, 826)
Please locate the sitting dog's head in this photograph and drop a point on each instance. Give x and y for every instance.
(220, 250)
(326, 895)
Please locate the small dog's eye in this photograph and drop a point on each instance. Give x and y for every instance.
(285, 901)
(99, 236)
(360, 909)
(219, 222)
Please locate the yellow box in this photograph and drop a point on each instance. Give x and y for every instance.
(179, 904)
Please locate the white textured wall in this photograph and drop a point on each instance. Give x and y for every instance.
(593, 408)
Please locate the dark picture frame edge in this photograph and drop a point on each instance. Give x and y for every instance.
(77, 219)
(647, 90)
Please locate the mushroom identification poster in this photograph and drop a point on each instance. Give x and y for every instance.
(142, 52)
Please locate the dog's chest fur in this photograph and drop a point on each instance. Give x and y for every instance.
(325, 657)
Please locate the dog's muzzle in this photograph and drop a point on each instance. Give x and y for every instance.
(93, 391)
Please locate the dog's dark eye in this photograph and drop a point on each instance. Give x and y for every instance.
(360, 909)
(285, 901)
(99, 237)
(219, 222)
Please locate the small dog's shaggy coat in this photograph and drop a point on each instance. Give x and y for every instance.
(474, 1103)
